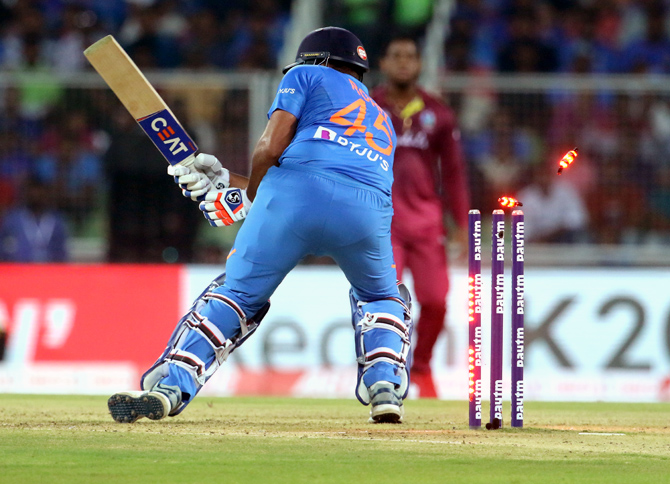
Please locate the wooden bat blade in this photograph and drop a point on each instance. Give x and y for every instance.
(124, 78)
(141, 100)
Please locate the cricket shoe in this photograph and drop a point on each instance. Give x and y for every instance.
(386, 403)
(127, 407)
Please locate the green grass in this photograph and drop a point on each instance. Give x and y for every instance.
(54, 439)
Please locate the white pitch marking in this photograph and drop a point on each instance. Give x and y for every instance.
(597, 433)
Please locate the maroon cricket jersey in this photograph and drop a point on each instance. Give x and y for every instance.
(429, 172)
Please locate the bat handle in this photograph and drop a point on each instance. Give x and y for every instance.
(188, 161)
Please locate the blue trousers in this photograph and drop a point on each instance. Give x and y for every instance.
(298, 212)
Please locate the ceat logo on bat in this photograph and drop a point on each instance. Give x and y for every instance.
(168, 136)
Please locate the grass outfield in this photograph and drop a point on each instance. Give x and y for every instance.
(54, 439)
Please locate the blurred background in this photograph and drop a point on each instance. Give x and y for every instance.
(528, 79)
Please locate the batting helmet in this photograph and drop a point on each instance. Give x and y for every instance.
(331, 43)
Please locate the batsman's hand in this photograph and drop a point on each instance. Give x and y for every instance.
(204, 175)
(225, 207)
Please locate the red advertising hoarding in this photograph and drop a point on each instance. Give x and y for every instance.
(88, 313)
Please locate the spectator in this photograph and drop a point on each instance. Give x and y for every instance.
(149, 46)
(651, 54)
(34, 231)
(459, 43)
(76, 174)
(13, 120)
(77, 30)
(490, 33)
(525, 51)
(111, 13)
(554, 210)
(256, 52)
(617, 206)
(204, 46)
(583, 34)
(655, 141)
(28, 26)
(64, 124)
(262, 29)
(39, 91)
(17, 135)
(172, 23)
(503, 152)
(15, 166)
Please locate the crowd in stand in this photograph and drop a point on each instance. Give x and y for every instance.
(82, 149)
(604, 36)
(619, 192)
(73, 146)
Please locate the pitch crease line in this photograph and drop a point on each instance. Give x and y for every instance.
(598, 433)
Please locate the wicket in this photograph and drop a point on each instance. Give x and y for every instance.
(475, 342)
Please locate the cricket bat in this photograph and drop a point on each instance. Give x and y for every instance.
(141, 100)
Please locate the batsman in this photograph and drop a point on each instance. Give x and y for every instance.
(320, 184)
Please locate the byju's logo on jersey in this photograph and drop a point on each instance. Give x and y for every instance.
(330, 135)
(325, 133)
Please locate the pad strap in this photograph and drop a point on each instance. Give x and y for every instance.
(222, 346)
(206, 329)
(190, 362)
(387, 322)
(244, 328)
(383, 354)
(405, 307)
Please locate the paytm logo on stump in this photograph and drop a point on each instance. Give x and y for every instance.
(330, 135)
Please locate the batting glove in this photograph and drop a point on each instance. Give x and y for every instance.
(225, 207)
(206, 174)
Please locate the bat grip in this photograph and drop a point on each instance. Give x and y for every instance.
(188, 161)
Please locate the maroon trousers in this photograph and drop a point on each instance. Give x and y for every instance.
(424, 254)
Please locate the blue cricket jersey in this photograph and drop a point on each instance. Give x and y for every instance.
(341, 130)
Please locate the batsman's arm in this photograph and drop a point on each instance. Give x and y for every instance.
(278, 134)
(238, 181)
